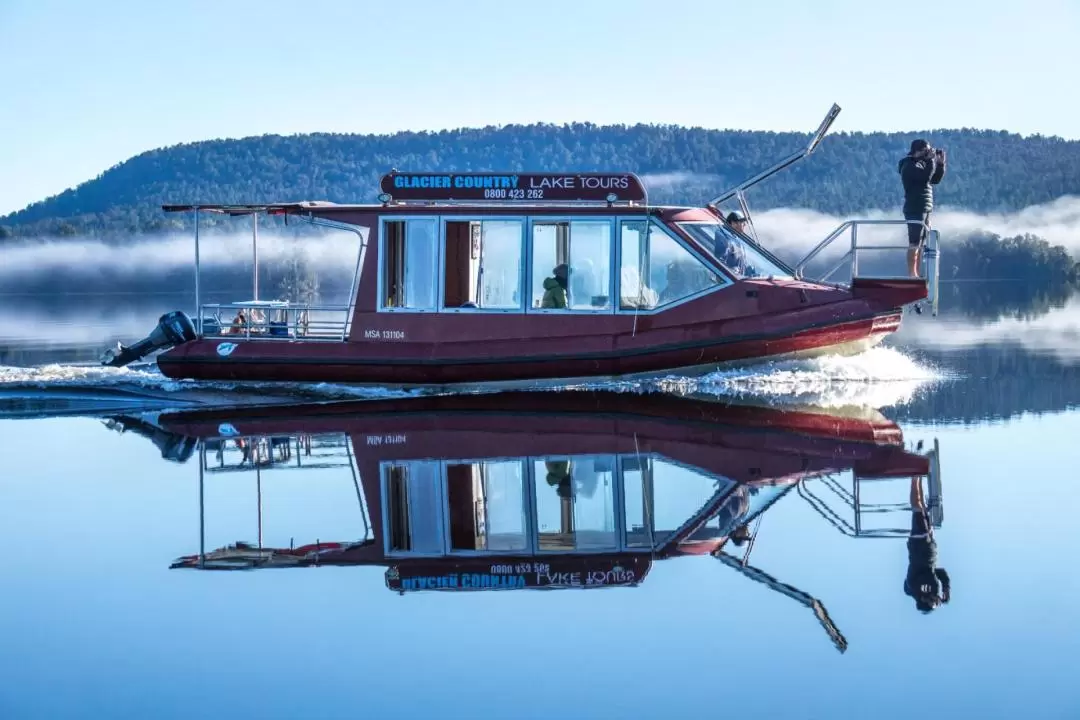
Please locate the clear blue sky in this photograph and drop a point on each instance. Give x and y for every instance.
(86, 85)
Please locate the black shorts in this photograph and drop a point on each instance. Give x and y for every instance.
(917, 233)
(920, 524)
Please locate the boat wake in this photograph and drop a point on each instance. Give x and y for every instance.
(878, 378)
(149, 378)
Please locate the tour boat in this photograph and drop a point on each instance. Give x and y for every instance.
(490, 279)
(472, 492)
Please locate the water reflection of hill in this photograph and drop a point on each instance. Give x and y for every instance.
(996, 382)
(992, 300)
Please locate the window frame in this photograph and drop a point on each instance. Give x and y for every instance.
(612, 224)
(615, 225)
(754, 245)
(617, 504)
(522, 271)
(726, 279)
(381, 305)
(527, 506)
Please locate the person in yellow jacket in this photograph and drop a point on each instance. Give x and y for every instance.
(555, 288)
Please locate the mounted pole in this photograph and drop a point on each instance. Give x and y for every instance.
(198, 295)
(202, 505)
(255, 254)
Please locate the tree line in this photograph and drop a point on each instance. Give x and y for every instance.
(849, 173)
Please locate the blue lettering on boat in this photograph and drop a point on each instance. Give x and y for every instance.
(421, 181)
(454, 581)
(507, 182)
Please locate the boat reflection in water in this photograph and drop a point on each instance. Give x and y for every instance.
(540, 490)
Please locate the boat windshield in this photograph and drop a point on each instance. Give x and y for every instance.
(733, 251)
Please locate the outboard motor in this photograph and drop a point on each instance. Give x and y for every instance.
(174, 328)
(173, 446)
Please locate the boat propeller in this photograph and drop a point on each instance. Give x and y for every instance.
(173, 328)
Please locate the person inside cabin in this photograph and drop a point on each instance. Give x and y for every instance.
(921, 169)
(727, 247)
(555, 288)
(678, 283)
(732, 513)
(926, 583)
(558, 476)
(737, 220)
(584, 288)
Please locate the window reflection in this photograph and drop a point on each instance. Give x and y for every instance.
(487, 508)
(575, 503)
(585, 503)
(415, 507)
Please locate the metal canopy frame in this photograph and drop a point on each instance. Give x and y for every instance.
(815, 140)
(301, 210)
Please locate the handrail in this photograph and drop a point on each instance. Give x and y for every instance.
(360, 256)
(851, 224)
(852, 501)
(929, 256)
(302, 319)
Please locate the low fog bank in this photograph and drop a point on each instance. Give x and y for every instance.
(165, 262)
(791, 233)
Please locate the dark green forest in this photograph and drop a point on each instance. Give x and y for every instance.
(849, 173)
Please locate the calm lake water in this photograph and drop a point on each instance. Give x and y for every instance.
(729, 546)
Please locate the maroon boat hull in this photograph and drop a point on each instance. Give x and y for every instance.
(480, 360)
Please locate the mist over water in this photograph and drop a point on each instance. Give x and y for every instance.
(790, 232)
(1055, 334)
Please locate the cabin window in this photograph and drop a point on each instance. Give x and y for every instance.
(483, 264)
(487, 506)
(414, 507)
(736, 253)
(580, 250)
(410, 257)
(638, 499)
(575, 503)
(656, 270)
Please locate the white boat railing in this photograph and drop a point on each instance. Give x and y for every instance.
(275, 320)
(929, 258)
(853, 504)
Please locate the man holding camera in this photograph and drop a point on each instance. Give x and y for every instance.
(920, 170)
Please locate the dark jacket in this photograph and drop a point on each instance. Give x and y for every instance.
(919, 174)
(554, 294)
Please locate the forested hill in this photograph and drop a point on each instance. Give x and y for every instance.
(850, 172)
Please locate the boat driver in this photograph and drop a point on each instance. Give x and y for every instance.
(727, 246)
(737, 220)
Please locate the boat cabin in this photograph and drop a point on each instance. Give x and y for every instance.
(581, 244)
